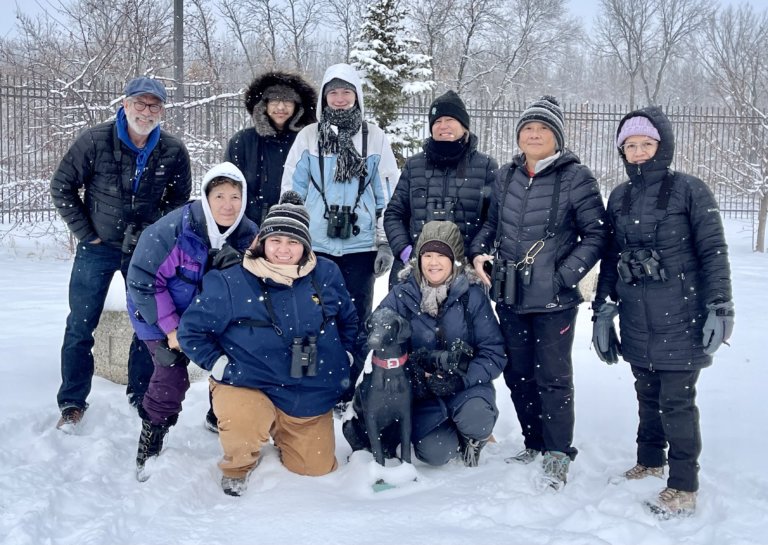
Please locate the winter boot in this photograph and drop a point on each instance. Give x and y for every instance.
(211, 422)
(234, 486)
(150, 443)
(555, 466)
(70, 419)
(525, 456)
(470, 450)
(673, 503)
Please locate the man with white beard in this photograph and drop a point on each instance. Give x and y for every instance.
(131, 173)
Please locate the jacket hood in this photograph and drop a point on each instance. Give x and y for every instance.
(226, 170)
(443, 231)
(666, 150)
(343, 72)
(256, 105)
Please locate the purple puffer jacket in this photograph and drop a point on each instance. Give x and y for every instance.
(167, 268)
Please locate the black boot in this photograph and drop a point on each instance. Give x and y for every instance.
(150, 442)
(470, 450)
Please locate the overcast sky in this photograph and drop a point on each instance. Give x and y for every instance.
(584, 9)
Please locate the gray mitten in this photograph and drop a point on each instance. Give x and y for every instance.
(604, 337)
(384, 260)
(718, 327)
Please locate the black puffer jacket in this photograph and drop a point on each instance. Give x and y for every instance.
(522, 212)
(260, 151)
(467, 185)
(661, 322)
(104, 166)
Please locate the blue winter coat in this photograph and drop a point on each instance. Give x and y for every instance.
(167, 268)
(488, 344)
(223, 321)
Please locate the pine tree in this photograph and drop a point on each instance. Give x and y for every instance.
(392, 71)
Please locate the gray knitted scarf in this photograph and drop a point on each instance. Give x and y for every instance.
(433, 296)
(337, 127)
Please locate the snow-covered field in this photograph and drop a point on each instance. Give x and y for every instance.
(61, 489)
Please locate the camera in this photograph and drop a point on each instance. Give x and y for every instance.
(504, 281)
(341, 222)
(440, 211)
(130, 238)
(304, 357)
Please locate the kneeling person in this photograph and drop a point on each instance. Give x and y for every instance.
(275, 332)
(456, 352)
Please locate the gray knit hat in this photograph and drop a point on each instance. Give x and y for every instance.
(288, 218)
(546, 110)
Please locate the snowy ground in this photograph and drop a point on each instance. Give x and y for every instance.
(80, 490)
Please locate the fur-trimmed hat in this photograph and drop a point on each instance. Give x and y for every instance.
(273, 85)
(289, 218)
(546, 110)
(449, 104)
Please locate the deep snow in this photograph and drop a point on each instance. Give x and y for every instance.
(80, 490)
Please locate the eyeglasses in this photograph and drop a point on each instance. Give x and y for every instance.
(647, 146)
(141, 106)
(280, 101)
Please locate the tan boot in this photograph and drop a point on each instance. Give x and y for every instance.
(673, 503)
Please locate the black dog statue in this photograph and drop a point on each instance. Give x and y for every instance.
(383, 397)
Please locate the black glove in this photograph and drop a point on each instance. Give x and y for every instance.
(604, 337)
(226, 257)
(167, 357)
(718, 327)
(446, 385)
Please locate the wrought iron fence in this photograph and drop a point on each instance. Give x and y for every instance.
(40, 119)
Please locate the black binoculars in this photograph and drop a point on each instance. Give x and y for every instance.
(634, 265)
(304, 357)
(504, 281)
(130, 238)
(341, 222)
(438, 210)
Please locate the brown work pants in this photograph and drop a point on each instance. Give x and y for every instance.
(247, 419)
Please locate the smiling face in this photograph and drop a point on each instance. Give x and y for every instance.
(436, 267)
(141, 119)
(225, 201)
(639, 149)
(447, 129)
(280, 111)
(341, 99)
(537, 141)
(283, 250)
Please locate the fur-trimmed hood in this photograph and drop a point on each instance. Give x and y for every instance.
(256, 105)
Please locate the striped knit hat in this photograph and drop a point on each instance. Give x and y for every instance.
(288, 218)
(546, 110)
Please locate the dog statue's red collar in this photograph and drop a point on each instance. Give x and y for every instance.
(390, 363)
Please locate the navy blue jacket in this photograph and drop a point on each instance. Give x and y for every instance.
(219, 322)
(489, 359)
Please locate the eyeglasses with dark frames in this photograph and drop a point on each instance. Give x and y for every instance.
(141, 106)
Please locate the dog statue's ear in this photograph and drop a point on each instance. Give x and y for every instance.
(404, 331)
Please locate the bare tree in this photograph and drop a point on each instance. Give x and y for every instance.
(644, 36)
(297, 22)
(733, 51)
(344, 18)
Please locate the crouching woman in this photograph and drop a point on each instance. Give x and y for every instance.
(274, 332)
(456, 351)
